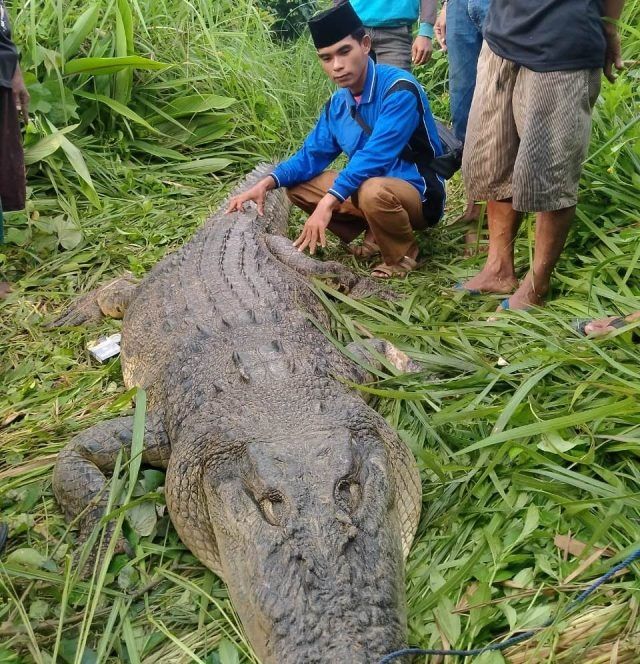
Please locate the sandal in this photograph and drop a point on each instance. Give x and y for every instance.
(400, 269)
(364, 251)
(616, 323)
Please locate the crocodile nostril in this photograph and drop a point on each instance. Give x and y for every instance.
(273, 508)
(348, 494)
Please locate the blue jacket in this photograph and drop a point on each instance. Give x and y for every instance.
(389, 105)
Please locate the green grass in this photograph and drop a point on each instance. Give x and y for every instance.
(522, 429)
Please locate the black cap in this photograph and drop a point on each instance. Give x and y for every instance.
(333, 25)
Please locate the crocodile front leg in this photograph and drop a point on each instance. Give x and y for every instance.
(346, 281)
(282, 248)
(109, 300)
(79, 476)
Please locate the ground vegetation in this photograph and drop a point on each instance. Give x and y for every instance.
(527, 435)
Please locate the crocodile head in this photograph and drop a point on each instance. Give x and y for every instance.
(309, 540)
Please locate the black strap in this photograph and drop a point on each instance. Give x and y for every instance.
(419, 149)
(407, 153)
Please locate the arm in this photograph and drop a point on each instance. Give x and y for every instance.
(319, 149)
(428, 11)
(440, 27)
(422, 45)
(20, 94)
(613, 57)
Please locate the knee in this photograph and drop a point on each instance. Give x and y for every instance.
(373, 192)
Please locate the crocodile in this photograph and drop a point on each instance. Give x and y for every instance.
(279, 476)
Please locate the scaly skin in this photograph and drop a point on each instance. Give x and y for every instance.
(279, 478)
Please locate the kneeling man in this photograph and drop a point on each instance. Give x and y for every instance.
(381, 119)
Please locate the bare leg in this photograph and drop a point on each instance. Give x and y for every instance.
(498, 274)
(552, 229)
(472, 212)
(475, 238)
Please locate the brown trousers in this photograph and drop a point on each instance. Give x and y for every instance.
(12, 174)
(391, 208)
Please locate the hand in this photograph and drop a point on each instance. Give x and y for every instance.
(421, 50)
(20, 95)
(440, 28)
(313, 232)
(257, 194)
(613, 56)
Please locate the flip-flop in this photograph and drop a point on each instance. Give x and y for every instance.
(617, 322)
(469, 291)
(505, 305)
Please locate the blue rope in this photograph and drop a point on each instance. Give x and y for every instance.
(524, 635)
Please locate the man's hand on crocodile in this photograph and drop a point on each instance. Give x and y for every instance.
(313, 232)
(257, 194)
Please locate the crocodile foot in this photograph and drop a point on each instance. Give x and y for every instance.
(110, 300)
(91, 552)
(370, 352)
(367, 287)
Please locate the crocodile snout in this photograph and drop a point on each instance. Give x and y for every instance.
(314, 564)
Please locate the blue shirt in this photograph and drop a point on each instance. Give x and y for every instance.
(394, 116)
(387, 13)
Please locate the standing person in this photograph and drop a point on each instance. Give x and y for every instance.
(458, 30)
(380, 118)
(389, 24)
(538, 78)
(14, 99)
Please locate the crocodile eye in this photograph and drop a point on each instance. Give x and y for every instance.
(273, 507)
(348, 493)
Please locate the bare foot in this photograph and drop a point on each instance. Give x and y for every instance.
(492, 281)
(5, 289)
(525, 297)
